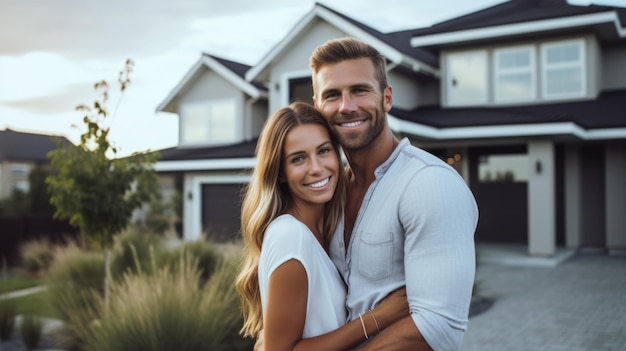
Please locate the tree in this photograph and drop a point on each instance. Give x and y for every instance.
(95, 192)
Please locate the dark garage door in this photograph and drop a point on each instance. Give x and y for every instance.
(221, 208)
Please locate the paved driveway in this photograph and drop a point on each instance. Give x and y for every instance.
(577, 303)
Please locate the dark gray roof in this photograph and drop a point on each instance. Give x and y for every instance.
(400, 40)
(516, 11)
(607, 111)
(239, 69)
(19, 146)
(241, 150)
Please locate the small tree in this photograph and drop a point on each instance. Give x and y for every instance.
(91, 188)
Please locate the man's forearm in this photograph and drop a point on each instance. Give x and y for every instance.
(400, 336)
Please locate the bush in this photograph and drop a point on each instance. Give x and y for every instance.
(167, 310)
(7, 319)
(204, 254)
(123, 259)
(31, 330)
(74, 280)
(37, 257)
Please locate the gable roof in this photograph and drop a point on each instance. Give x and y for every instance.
(229, 70)
(518, 17)
(20, 146)
(393, 46)
(579, 118)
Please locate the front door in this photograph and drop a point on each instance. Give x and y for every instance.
(499, 181)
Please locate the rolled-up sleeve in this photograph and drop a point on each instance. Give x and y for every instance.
(439, 215)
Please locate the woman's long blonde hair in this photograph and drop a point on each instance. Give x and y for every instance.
(266, 198)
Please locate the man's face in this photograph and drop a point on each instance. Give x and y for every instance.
(350, 99)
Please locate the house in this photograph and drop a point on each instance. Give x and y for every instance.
(526, 99)
(19, 153)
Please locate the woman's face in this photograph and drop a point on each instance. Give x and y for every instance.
(310, 165)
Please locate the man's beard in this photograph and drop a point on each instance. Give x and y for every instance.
(359, 140)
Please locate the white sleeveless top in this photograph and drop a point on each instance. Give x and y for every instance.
(287, 238)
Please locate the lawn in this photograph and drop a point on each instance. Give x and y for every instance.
(17, 283)
(35, 304)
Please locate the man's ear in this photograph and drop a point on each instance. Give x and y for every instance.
(387, 98)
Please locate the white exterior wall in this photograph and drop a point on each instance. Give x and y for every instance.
(541, 199)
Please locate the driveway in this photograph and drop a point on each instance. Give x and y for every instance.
(573, 301)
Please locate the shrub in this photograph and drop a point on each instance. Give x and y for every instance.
(204, 254)
(31, 330)
(167, 310)
(37, 256)
(7, 319)
(125, 260)
(74, 280)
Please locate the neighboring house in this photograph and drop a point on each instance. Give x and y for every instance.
(19, 153)
(526, 99)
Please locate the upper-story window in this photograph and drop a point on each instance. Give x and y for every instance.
(208, 122)
(514, 74)
(563, 69)
(467, 77)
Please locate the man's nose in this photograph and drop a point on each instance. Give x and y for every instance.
(347, 104)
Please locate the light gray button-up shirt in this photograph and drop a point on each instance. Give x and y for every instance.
(416, 228)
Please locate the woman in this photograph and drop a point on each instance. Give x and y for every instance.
(290, 289)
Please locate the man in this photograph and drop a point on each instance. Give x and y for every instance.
(409, 218)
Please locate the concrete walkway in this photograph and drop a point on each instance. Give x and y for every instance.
(572, 301)
(23, 292)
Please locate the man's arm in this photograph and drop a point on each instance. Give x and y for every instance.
(403, 335)
(439, 215)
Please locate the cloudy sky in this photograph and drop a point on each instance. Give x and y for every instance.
(53, 51)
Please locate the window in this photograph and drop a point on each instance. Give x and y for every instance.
(503, 168)
(514, 74)
(563, 69)
(208, 122)
(20, 170)
(517, 74)
(19, 176)
(467, 79)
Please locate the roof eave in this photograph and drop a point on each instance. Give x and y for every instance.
(168, 104)
(261, 71)
(518, 29)
(508, 131)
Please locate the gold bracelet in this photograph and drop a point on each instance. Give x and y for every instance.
(363, 325)
(375, 321)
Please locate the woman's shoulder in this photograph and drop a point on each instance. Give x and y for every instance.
(285, 227)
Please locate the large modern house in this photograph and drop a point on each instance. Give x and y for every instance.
(526, 99)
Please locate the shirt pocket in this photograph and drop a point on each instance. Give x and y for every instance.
(375, 255)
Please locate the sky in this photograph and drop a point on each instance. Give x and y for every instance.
(53, 51)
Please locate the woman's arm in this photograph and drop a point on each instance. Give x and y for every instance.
(286, 313)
